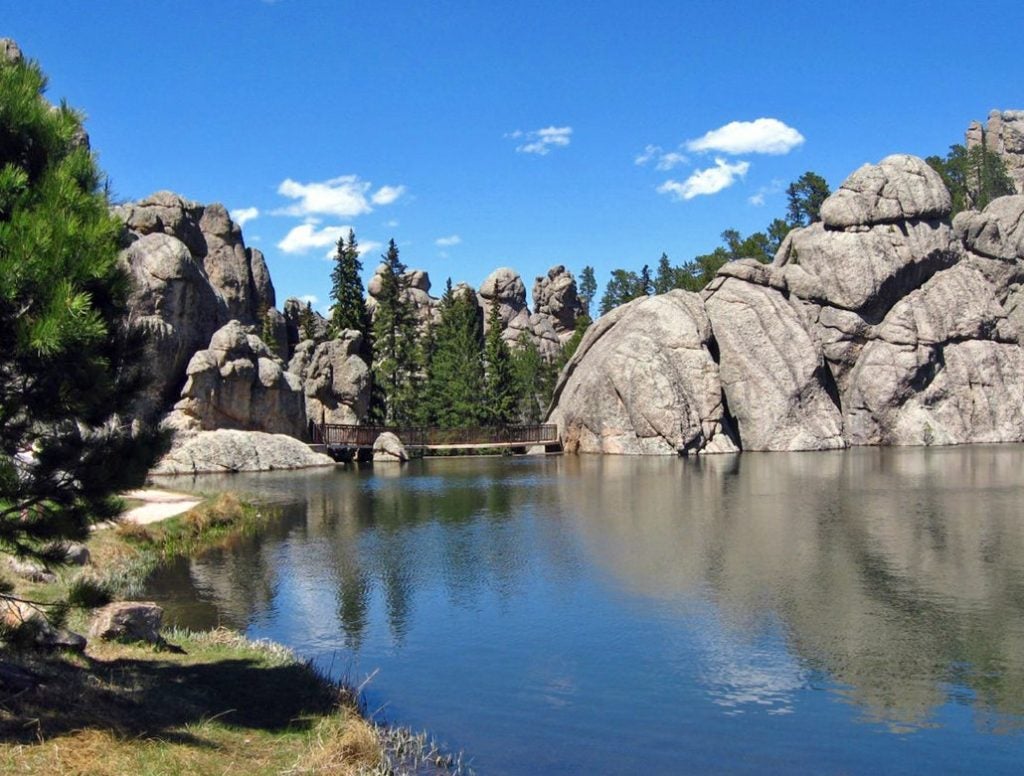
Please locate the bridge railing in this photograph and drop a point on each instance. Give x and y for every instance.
(349, 435)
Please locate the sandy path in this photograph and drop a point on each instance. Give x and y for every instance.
(160, 504)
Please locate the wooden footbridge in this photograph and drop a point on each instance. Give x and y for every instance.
(348, 442)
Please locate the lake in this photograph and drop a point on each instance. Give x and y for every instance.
(843, 612)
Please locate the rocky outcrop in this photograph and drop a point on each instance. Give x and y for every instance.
(237, 383)
(237, 451)
(883, 324)
(505, 288)
(554, 295)
(298, 328)
(547, 328)
(191, 274)
(644, 381)
(1003, 135)
(335, 380)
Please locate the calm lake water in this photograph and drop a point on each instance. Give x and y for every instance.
(847, 612)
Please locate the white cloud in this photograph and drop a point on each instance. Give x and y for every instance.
(670, 160)
(761, 136)
(309, 299)
(541, 141)
(666, 160)
(392, 223)
(385, 195)
(243, 215)
(708, 181)
(444, 242)
(758, 198)
(304, 237)
(364, 247)
(650, 151)
(345, 196)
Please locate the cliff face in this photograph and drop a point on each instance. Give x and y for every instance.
(1004, 135)
(883, 324)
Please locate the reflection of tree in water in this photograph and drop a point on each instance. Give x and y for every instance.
(894, 571)
(397, 536)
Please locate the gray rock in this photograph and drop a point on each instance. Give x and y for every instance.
(191, 274)
(30, 624)
(865, 271)
(773, 373)
(943, 368)
(335, 380)
(1004, 135)
(899, 188)
(31, 570)
(643, 381)
(9, 51)
(128, 621)
(555, 295)
(388, 448)
(236, 451)
(294, 309)
(237, 383)
(75, 554)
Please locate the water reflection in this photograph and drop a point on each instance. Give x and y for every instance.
(896, 572)
(892, 578)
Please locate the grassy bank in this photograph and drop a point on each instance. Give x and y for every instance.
(209, 703)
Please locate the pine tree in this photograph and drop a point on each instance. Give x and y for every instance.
(349, 308)
(528, 367)
(588, 288)
(67, 356)
(499, 381)
(456, 374)
(307, 322)
(396, 371)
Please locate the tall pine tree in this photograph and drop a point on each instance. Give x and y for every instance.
(349, 308)
(456, 374)
(500, 400)
(396, 368)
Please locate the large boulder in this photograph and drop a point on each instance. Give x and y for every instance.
(644, 381)
(773, 374)
(237, 451)
(335, 379)
(899, 188)
(388, 448)
(191, 273)
(237, 383)
(416, 283)
(128, 621)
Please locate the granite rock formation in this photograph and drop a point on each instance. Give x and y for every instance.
(1004, 135)
(335, 380)
(882, 324)
(191, 274)
(237, 383)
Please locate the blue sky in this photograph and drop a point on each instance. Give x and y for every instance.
(483, 134)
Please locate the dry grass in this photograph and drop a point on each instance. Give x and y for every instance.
(227, 705)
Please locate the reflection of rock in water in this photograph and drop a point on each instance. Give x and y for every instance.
(889, 569)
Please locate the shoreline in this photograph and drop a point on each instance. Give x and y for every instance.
(252, 705)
